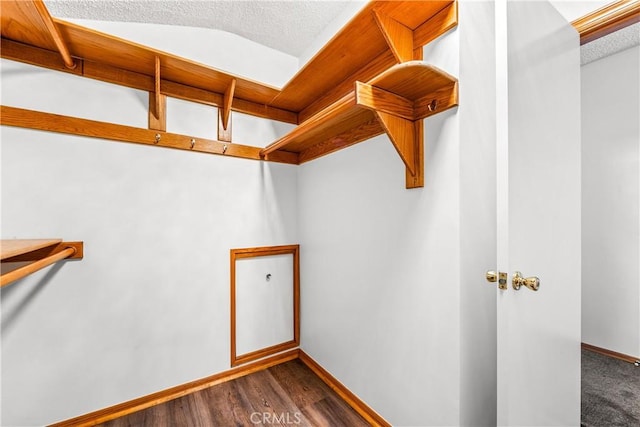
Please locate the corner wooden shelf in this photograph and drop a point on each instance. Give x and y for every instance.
(392, 102)
(36, 253)
(362, 83)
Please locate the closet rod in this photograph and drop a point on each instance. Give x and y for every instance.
(21, 272)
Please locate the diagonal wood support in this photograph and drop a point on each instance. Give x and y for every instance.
(228, 101)
(381, 100)
(402, 133)
(55, 34)
(401, 119)
(224, 113)
(398, 37)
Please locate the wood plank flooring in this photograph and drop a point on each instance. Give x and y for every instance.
(289, 394)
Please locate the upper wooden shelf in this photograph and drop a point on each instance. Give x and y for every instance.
(37, 253)
(358, 52)
(391, 102)
(362, 50)
(363, 82)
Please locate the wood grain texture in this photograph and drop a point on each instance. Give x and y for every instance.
(13, 247)
(157, 86)
(399, 38)
(243, 253)
(55, 34)
(228, 103)
(285, 394)
(320, 98)
(612, 17)
(45, 251)
(360, 133)
(338, 91)
(324, 123)
(20, 20)
(437, 101)
(102, 48)
(39, 254)
(381, 100)
(412, 80)
(400, 91)
(44, 58)
(346, 56)
(352, 49)
(611, 353)
(11, 116)
(156, 400)
(370, 415)
(36, 56)
(21, 272)
(416, 179)
(441, 22)
(402, 134)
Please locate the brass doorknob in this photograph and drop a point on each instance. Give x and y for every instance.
(532, 282)
(492, 276)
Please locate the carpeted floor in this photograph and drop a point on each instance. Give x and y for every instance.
(610, 392)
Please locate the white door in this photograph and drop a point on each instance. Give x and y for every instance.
(538, 142)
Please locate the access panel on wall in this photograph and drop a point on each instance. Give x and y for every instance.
(265, 304)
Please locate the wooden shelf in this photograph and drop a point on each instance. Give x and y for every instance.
(392, 102)
(362, 83)
(26, 256)
(15, 247)
(359, 51)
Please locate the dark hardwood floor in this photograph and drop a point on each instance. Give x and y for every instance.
(289, 394)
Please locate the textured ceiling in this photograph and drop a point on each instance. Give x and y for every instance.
(603, 46)
(610, 44)
(288, 26)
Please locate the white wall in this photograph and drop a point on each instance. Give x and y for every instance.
(610, 202)
(394, 299)
(148, 306)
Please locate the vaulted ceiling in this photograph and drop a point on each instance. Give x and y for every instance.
(288, 26)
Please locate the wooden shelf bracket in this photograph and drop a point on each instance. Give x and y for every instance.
(367, 80)
(224, 113)
(398, 36)
(402, 134)
(401, 117)
(384, 101)
(157, 102)
(228, 101)
(55, 34)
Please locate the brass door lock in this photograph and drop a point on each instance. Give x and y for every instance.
(532, 282)
(499, 277)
